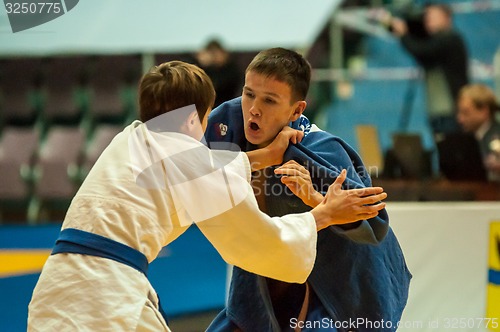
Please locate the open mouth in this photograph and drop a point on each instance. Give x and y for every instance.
(254, 126)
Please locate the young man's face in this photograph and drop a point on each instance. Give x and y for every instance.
(267, 108)
(469, 116)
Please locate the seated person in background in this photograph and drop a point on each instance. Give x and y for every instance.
(477, 107)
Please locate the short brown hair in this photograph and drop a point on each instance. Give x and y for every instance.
(285, 66)
(481, 96)
(173, 85)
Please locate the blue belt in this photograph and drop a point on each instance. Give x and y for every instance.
(76, 241)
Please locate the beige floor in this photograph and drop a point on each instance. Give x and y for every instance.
(192, 323)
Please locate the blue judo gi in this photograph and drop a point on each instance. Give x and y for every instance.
(360, 280)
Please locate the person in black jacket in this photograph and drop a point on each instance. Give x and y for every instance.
(477, 107)
(443, 56)
(222, 69)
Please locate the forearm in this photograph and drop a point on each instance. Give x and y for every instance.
(282, 248)
(261, 158)
(314, 199)
(321, 218)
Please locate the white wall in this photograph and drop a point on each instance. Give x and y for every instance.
(446, 249)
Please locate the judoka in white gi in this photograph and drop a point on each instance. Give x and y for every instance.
(146, 189)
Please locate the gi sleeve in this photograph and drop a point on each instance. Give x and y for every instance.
(212, 189)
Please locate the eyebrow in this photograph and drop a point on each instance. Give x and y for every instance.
(272, 94)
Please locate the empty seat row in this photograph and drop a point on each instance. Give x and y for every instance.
(65, 90)
(37, 175)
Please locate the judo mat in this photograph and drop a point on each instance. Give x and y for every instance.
(189, 276)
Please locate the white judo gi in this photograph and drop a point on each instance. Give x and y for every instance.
(145, 190)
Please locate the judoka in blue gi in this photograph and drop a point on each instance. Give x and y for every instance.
(360, 280)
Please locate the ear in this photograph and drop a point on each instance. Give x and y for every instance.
(298, 109)
(190, 123)
(193, 119)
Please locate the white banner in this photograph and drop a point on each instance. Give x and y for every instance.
(446, 249)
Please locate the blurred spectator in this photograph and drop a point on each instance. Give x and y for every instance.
(220, 67)
(476, 115)
(443, 55)
(496, 72)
